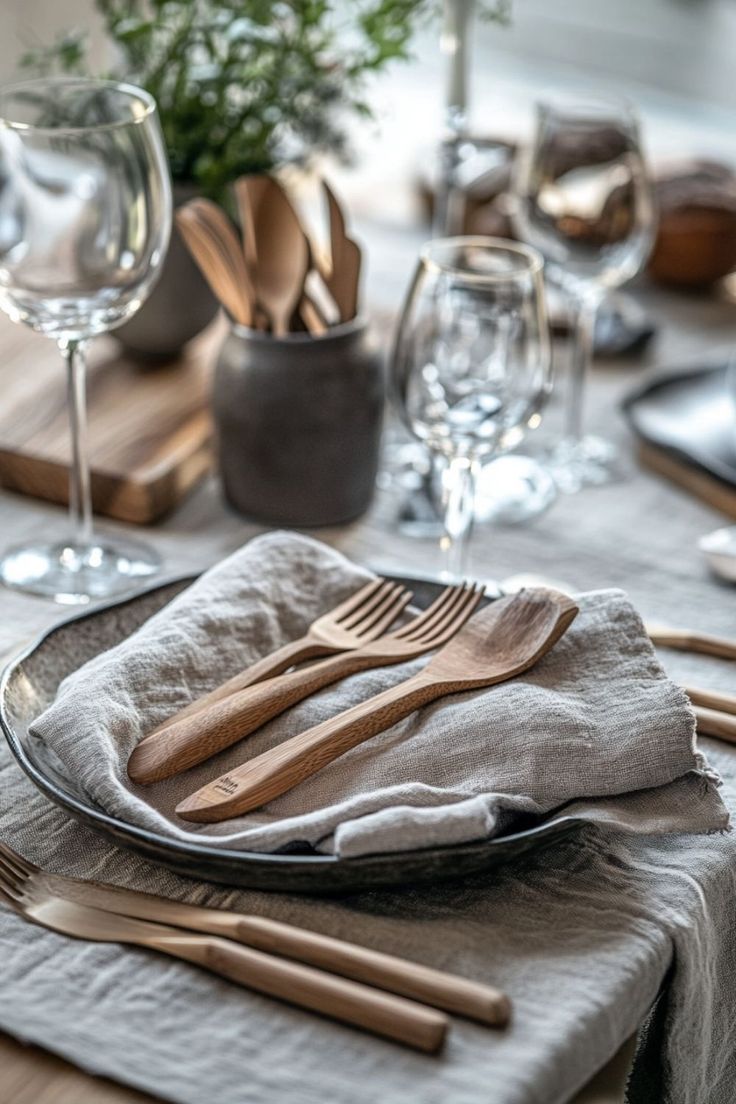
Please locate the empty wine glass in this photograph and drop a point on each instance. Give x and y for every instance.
(85, 216)
(471, 364)
(584, 202)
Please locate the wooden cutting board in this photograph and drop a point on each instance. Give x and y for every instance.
(149, 426)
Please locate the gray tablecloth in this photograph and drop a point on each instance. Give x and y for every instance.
(580, 937)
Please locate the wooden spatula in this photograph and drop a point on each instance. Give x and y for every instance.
(249, 193)
(343, 279)
(501, 641)
(213, 264)
(225, 237)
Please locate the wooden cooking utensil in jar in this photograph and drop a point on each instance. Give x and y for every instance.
(224, 234)
(214, 263)
(282, 256)
(249, 193)
(502, 641)
(343, 279)
(181, 745)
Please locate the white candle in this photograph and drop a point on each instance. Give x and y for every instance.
(454, 44)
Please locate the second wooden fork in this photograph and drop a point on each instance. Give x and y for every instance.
(195, 738)
(362, 617)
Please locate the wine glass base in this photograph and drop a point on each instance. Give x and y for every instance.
(589, 462)
(513, 490)
(75, 574)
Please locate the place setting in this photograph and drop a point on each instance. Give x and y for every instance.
(375, 709)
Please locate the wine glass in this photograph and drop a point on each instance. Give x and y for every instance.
(85, 217)
(470, 366)
(584, 201)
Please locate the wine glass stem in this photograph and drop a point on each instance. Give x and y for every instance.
(80, 493)
(458, 501)
(582, 355)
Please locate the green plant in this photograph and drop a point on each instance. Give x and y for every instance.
(245, 85)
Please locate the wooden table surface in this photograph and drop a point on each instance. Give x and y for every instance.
(203, 529)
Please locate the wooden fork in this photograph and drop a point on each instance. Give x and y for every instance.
(383, 1013)
(362, 617)
(460, 995)
(195, 738)
(506, 638)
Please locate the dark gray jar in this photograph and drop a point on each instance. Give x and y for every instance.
(298, 424)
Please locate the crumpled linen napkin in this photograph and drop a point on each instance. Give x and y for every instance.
(594, 730)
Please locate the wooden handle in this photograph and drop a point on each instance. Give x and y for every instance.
(214, 265)
(181, 745)
(686, 641)
(311, 317)
(274, 772)
(384, 971)
(713, 723)
(382, 1013)
(397, 975)
(296, 651)
(712, 699)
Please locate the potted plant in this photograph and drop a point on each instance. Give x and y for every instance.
(242, 86)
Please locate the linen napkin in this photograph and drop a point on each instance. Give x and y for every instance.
(594, 730)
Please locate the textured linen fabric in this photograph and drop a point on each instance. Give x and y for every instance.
(596, 720)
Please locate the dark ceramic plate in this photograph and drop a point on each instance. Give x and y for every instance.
(29, 684)
(692, 416)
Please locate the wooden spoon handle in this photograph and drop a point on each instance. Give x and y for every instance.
(385, 1014)
(462, 996)
(687, 641)
(296, 651)
(712, 723)
(712, 699)
(192, 739)
(274, 772)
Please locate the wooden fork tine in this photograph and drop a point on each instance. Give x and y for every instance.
(389, 602)
(10, 873)
(397, 607)
(447, 601)
(15, 860)
(421, 619)
(8, 884)
(351, 604)
(363, 611)
(455, 619)
(8, 900)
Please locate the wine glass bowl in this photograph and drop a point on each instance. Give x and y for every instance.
(85, 217)
(470, 366)
(584, 201)
(585, 198)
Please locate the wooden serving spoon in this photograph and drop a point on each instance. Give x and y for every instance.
(500, 642)
(282, 256)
